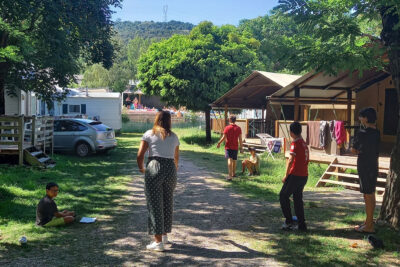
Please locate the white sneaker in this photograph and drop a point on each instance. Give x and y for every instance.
(156, 246)
(165, 240)
(287, 227)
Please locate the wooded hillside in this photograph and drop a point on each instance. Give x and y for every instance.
(128, 30)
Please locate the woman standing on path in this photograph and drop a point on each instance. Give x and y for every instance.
(160, 177)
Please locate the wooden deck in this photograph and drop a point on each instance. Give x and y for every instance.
(21, 133)
(13, 149)
(384, 161)
(320, 157)
(253, 141)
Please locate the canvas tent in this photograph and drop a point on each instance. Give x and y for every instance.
(251, 92)
(355, 90)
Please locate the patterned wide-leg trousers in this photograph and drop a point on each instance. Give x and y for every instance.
(160, 183)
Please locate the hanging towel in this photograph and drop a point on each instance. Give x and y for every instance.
(340, 132)
(313, 133)
(323, 134)
(332, 130)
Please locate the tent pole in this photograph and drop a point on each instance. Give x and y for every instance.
(296, 104)
(262, 121)
(226, 115)
(348, 117)
(306, 111)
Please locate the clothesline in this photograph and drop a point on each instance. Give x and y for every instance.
(321, 133)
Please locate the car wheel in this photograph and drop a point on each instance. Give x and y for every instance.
(82, 149)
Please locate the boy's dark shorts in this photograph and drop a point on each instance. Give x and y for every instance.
(367, 182)
(231, 154)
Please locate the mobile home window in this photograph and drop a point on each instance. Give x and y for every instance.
(74, 108)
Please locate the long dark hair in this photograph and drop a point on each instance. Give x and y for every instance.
(162, 124)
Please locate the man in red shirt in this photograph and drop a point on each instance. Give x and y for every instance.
(233, 137)
(295, 179)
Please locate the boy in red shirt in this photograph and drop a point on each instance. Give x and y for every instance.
(295, 179)
(233, 136)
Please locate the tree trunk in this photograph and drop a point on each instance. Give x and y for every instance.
(390, 211)
(2, 89)
(208, 126)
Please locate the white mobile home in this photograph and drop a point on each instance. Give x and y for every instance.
(103, 106)
(21, 104)
(96, 104)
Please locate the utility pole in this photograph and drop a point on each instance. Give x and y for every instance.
(165, 10)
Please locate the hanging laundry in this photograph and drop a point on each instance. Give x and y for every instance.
(323, 134)
(313, 134)
(340, 132)
(332, 130)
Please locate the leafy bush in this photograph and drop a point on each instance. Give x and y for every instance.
(125, 118)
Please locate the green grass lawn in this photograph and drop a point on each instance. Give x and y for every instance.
(90, 186)
(328, 244)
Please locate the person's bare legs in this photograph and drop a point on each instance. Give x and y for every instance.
(68, 219)
(244, 165)
(370, 203)
(250, 168)
(234, 168)
(158, 238)
(68, 213)
(230, 167)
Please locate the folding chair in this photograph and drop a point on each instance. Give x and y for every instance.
(271, 144)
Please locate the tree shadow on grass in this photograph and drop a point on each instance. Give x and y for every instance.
(199, 140)
(119, 238)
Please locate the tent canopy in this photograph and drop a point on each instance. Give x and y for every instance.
(251, 93)
(319, 88)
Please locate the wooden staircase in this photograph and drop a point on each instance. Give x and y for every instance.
(257, 147)
(35, 157)
(350, 180)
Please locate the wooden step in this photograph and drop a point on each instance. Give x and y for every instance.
(352, 167)
(255, 145)
(36, 153)
(342, 174)
(379, 189)
(354, 176)
(43, 160)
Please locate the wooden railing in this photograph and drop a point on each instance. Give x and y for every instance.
(20, 132)
(42, 132)
(12, 134)
(250, 127)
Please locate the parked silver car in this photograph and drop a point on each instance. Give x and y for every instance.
(83, 136)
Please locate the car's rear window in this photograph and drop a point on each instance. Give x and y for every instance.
(99, 126)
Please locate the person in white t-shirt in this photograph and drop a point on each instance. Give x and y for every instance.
(252, 164)
(160, 177)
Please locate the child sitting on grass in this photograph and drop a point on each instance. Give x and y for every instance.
(252, 164)
(295, 179)
(47, 213)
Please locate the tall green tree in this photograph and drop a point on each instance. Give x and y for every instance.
(195, 70)
(335, 41)
(119, 76)
(41, 42)
(274, 32)
(96, 76)
(135, 48)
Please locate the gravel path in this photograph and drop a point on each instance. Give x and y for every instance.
(206, 216)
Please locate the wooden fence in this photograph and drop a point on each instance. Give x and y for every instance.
(250, 127)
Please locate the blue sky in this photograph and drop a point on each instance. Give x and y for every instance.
(217, 11)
